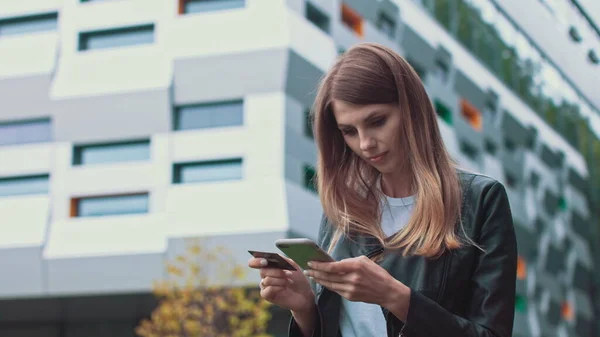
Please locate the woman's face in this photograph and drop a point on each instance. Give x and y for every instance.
(372, 132)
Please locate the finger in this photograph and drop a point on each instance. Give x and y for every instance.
(274, 281)
(272, 272)
(269, 293)
(333, 286)
(325, 276)
(292, 262)
(257, 263)
(343, 266)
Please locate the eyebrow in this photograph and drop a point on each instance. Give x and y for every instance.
(372, 115)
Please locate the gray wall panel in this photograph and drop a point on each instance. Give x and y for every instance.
(301, 147)
(21, 271)
(113, 117)
(106, 274)
(366, 8)
(468, 89)
(302, 79)
(24, 98)
(417, 49)
(216, 77)
(514, 130)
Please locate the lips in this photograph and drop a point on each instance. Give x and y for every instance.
(377, 158)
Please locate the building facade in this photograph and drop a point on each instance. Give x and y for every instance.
(130, 126)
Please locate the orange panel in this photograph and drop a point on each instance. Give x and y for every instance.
(567, 311)
(181, 8)
(471, 114)
(521, 268)
(351, 18)
(74, 211)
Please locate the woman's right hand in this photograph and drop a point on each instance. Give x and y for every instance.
(285, 288)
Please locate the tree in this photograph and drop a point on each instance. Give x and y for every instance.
(193, 301)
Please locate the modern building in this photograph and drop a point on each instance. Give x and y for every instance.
(130, 126)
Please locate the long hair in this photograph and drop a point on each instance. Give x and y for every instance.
(370, 73)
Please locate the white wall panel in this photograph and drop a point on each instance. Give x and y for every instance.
(19, 59)
(229, 207)
(26, 159)
(11, 8)
(258, 26)
(24, 220)
(105, 236)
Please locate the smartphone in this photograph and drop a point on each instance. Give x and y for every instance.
(274, 260)
(302, 251)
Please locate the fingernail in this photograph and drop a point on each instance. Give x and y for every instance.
(310, 264)
(263, 262)
(306, 272)
(290, 281)
(288, 273)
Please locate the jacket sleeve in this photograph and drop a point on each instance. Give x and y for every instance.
(323, 238)
(490, 312)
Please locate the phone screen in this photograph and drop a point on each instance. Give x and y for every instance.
(303, 253)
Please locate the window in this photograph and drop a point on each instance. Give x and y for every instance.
(593, 57)
(209, 115)
(534, 179)
(114, 38)
(111, 153)
(308, 125)
(29, 24)
(24, 185)
(574, 33)
(317, 17)
(471, 114)
(420, 70)
(110, 205)
(23, 132)
(309, 178)
(490, 147)
(199, 6)
(352, 19)
(441, 70)
(386, 25)
(511, 180)
(469, 150)
(207, 171)
(443, 111)
(509, 145)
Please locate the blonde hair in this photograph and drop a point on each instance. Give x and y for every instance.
(370, 73)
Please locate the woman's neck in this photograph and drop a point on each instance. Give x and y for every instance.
(396, 185)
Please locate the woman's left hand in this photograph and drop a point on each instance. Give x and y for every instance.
(359, 279)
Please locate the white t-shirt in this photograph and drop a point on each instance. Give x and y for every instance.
(360, 319)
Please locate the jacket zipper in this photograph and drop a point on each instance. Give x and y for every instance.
(444, 277)
(375, 252)
(371, 254)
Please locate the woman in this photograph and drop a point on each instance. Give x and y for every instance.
(423, 249)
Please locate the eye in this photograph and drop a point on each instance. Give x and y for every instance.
(378, 122)
(348, 132)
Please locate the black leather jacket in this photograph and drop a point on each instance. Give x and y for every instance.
(464, 293)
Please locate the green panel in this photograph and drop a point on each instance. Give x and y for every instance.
(309, 178)
(443, 111)
(521, 304)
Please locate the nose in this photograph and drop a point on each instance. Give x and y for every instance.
(366, 142)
